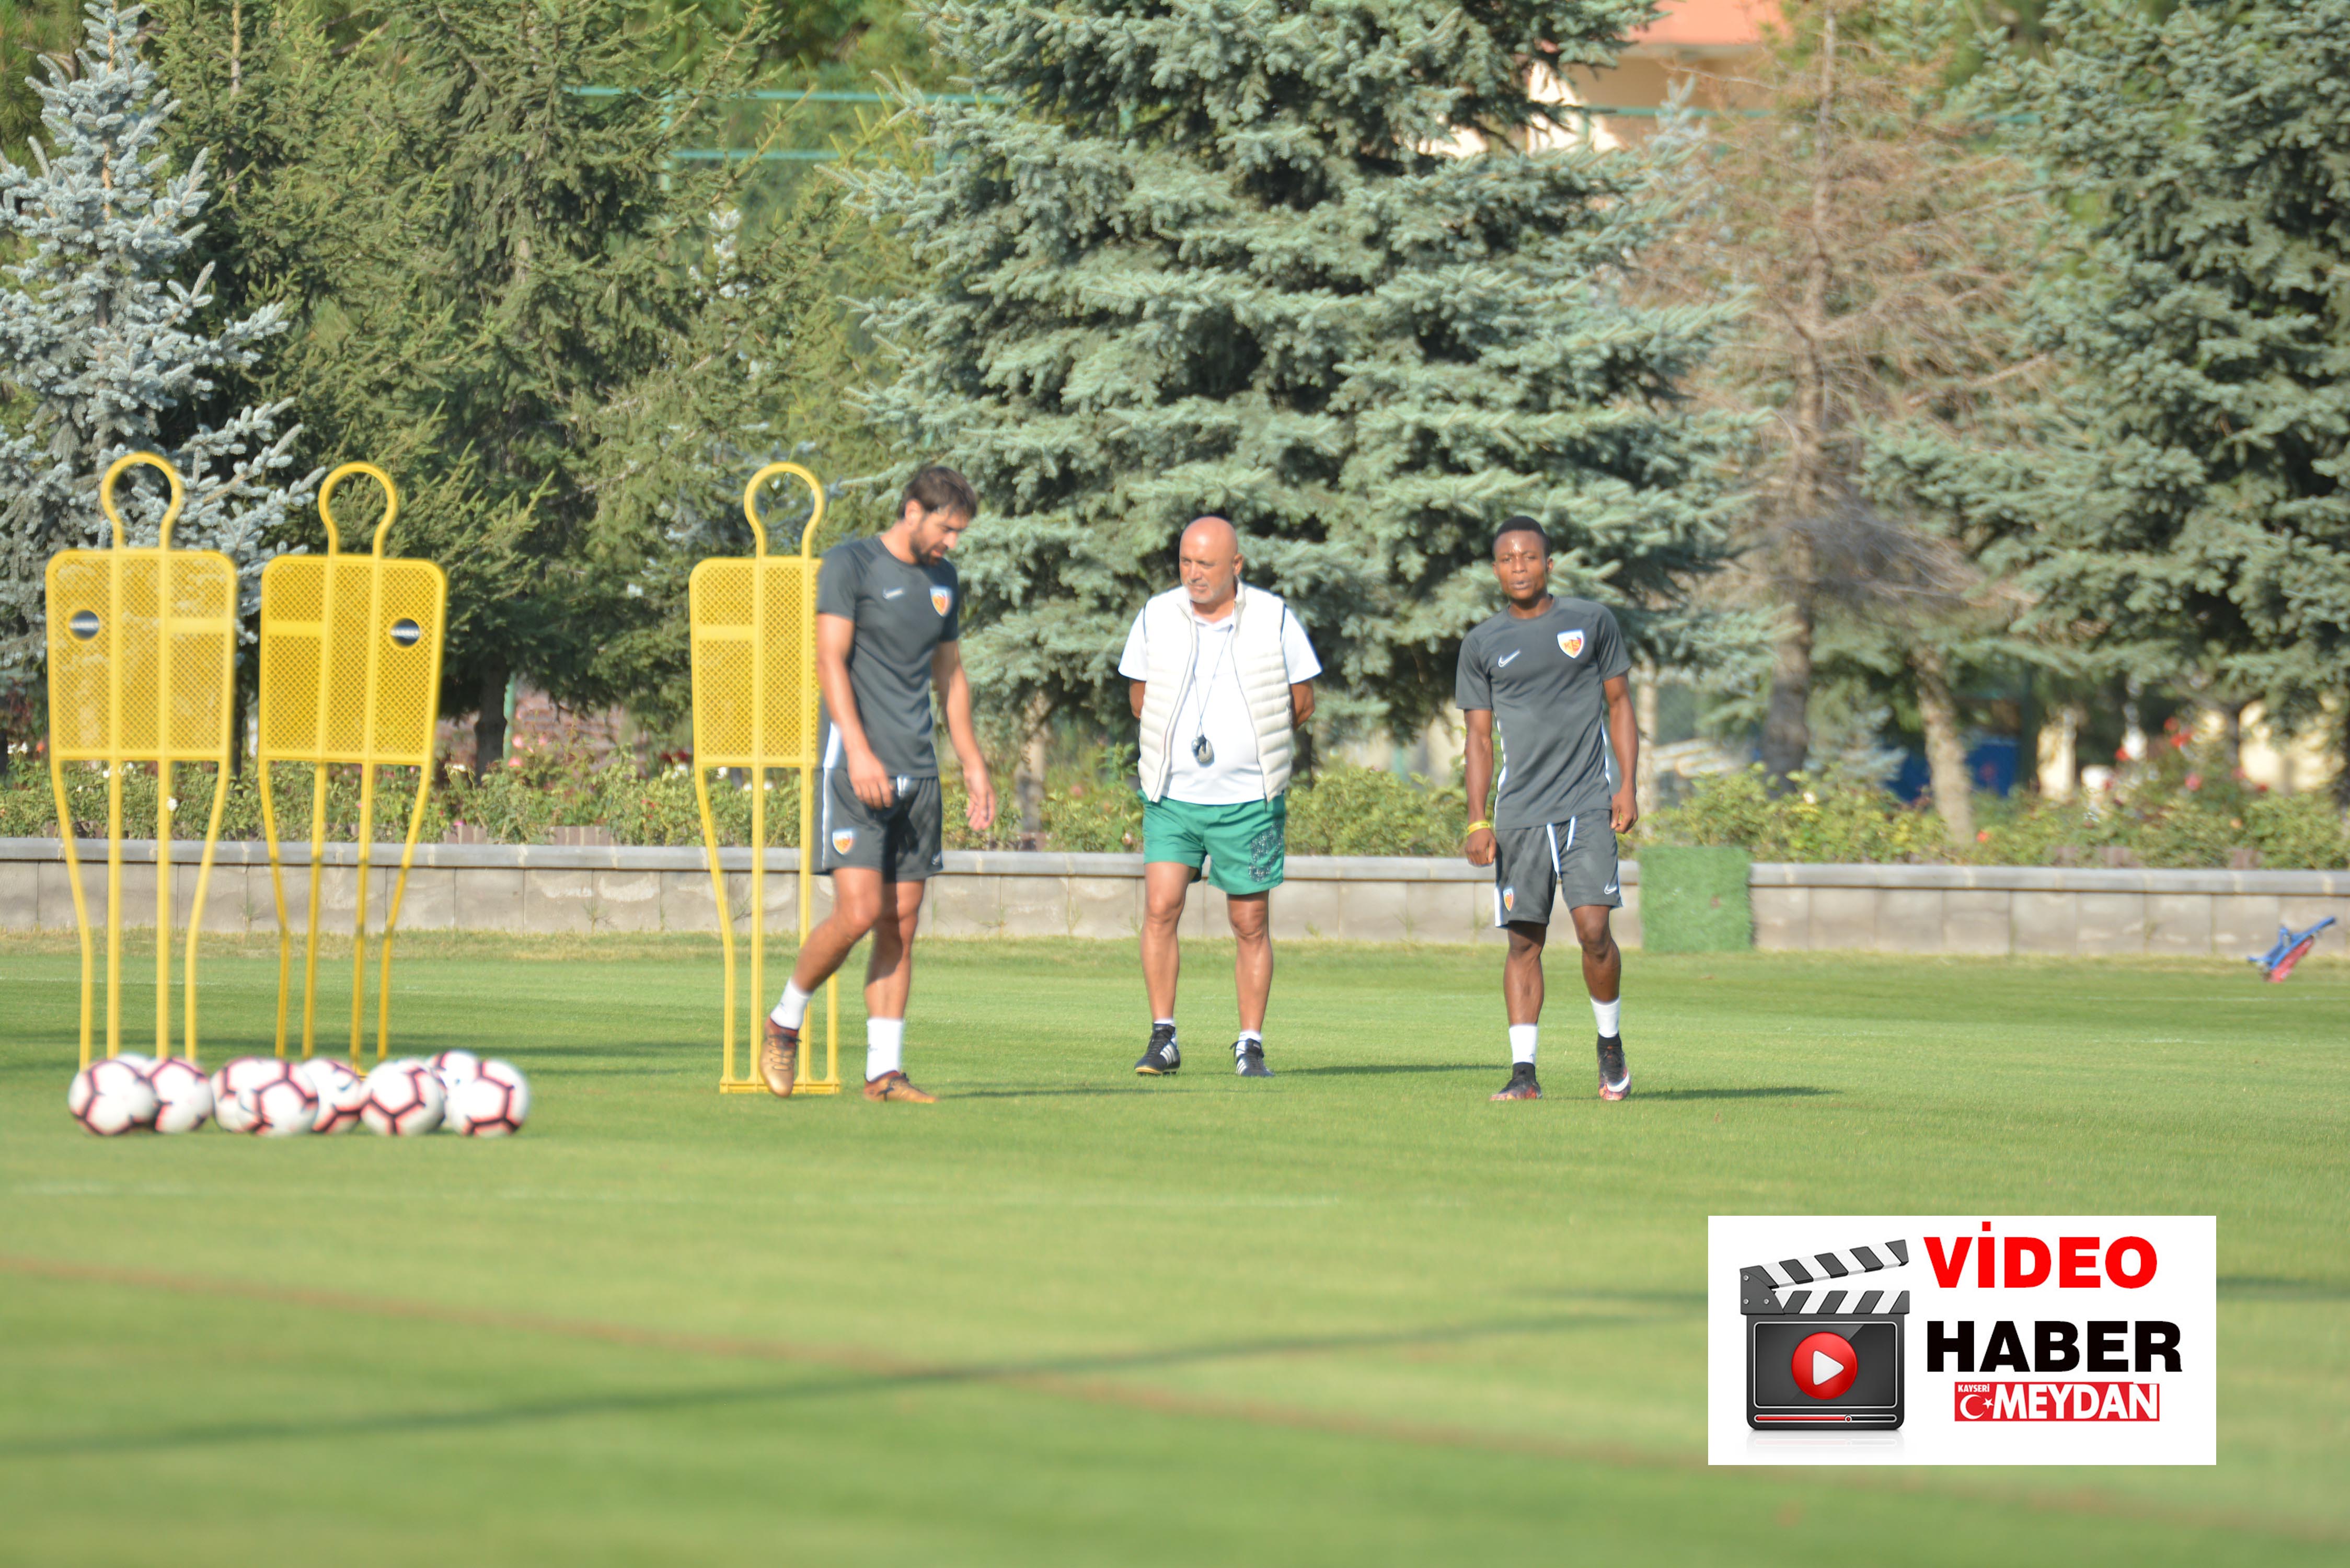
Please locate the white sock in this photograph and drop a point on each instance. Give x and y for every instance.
(1521, 1042)
(885, 1046)
(1251, 1037)
(1162, 1023)
(792, 1011)
(1609, 1015)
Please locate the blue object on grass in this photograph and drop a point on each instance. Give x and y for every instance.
(2291, 945)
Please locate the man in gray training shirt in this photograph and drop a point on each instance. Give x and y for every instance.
(1549, 675)
(889, 617)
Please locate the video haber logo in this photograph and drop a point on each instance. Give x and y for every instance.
(2056, 1340)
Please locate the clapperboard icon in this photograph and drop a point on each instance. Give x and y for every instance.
(1814, 1364)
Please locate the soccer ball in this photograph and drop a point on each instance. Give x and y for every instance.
(342, 1093)
(279, 1103)
(493, 1102)
(454, 1067)
(144, 1063)
(183, 1095)
(110, 1097)
(235, 1075)
(403, 1098)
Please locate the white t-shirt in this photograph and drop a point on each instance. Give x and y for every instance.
(1234, 778)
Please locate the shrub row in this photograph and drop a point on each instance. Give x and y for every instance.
(2180, 808)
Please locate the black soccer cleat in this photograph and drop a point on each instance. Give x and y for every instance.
(1162, 1056)
(1614, 1078)
(1248, 1059)
(1521, 1084)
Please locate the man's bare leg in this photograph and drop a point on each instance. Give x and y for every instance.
(1602, 976)
(855, 907)
(1166, 884)
(1250, 914)
(888, 981)
(1521, 993)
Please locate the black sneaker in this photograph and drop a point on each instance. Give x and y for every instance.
(1248, 1059)
(1162, 1056)
(1614, 1078)
(1521, 1084)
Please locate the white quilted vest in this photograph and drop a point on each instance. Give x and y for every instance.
(1173, 636)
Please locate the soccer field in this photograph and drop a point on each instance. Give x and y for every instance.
(1356, 1314)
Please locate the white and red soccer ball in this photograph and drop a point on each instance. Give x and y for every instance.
(111, 1097)
(237, 1073)
(183, 1095)
(455, 1067)
(493, 1102)
(342, 1094)
(404, 1098)
(273, 1100)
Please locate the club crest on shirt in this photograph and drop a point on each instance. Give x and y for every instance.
(942, 599)
(843, 840)
(1509, 900)
(1571, 643)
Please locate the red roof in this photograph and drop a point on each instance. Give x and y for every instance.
(1708, 25)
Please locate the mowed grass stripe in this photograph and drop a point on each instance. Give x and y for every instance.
(872, 1373)
(1528, 1275)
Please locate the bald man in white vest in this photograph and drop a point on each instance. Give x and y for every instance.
(1222, 674)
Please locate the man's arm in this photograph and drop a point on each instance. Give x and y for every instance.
(1624, 735)
(835, 635)
(1133, 690)
(1301, 703)
(1477, 756)
(953, 686)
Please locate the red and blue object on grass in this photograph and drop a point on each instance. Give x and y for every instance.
(2291, 948)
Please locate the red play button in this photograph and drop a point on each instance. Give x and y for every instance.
(1824, 1366)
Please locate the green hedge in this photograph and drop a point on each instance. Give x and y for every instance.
(1345, 811)
(2182, 807)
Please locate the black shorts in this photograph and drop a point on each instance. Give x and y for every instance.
(902, 840)
(1575, 860)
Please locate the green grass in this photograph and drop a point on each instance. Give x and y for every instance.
(1353, 1315)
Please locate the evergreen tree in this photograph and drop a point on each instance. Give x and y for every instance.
(1225, 257)
(2181, 501)
(510, 293)
(104, 349)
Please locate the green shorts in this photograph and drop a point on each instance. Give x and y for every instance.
(1243, 845)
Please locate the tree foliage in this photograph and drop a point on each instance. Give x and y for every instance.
(1887, 238)
(509, 293)
(1225, 257)
(108, 343)
(2178, 503)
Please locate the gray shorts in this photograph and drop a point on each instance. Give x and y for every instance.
(902, 840)
(1574, 860)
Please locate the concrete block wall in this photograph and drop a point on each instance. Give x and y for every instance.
(1962, 910)
(2042, 910)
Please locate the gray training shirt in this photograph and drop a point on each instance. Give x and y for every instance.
(1541, 680)
(902, 614)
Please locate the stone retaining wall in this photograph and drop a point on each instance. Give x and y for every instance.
(549, 888)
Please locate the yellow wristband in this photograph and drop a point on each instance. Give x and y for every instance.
(1478, 826)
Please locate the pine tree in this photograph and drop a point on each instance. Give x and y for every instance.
(1221, 258)
(2182, 501)
(104, 349)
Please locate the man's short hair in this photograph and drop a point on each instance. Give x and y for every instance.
(1521, 524)
(942, 489)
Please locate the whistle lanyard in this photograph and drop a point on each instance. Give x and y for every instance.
(1201, 751)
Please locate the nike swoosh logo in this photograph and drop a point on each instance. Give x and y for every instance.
(891, 593)
(1504, 663)
(1609, 888)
